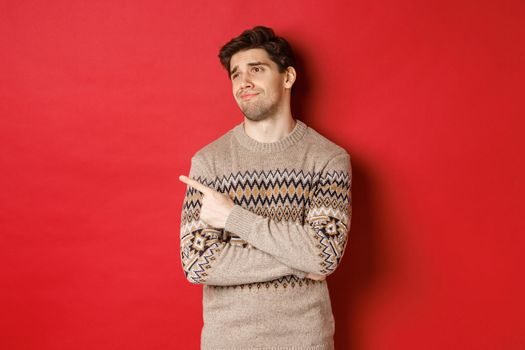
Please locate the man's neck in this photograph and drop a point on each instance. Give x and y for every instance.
(269, 130)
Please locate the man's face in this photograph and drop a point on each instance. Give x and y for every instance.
(258, 86)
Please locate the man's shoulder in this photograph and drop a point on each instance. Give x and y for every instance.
(323, 145)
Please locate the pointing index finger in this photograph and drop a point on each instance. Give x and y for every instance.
(196, 185)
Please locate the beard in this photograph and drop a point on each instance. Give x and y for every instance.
(259, 110)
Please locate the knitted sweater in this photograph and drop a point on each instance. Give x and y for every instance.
(291, 217)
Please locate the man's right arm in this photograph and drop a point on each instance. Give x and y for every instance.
(210, 257)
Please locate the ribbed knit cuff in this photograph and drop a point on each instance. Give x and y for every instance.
(240, 222)
(300, 274)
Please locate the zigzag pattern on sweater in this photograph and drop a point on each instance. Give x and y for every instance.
(281, 195)
(289, 281)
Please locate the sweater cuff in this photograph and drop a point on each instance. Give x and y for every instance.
(240, 222)
(300, 274)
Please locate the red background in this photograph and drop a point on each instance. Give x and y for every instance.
(103, 103)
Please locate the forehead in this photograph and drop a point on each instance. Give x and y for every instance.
(249, 56)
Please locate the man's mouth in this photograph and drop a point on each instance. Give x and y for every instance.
(248, 96)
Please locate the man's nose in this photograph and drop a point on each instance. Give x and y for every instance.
(245, 81)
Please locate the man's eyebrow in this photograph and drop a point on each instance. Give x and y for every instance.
(258, 63)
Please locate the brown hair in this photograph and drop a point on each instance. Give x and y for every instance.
(277, 47)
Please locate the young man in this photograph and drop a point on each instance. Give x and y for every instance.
(267, 212)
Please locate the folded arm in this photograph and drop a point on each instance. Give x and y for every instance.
(316, 246)
(215, 257)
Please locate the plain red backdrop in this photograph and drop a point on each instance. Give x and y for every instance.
(103, 103)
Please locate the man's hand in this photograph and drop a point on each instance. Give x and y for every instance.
(315, 277)
(216, 206)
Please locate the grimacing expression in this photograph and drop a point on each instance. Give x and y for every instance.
(258, 86)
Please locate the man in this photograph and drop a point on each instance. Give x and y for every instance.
(266, 213)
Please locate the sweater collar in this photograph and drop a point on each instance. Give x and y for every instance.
(265, 147)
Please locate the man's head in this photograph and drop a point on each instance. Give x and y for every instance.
(260, 66)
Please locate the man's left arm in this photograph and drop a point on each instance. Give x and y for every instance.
(317, 246)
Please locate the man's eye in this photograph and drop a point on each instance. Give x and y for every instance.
(257, 69)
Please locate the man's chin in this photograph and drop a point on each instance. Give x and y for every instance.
(255, 118)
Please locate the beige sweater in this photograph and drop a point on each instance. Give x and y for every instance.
(291, 217)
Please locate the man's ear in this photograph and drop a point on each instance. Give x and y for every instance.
(289, 78)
